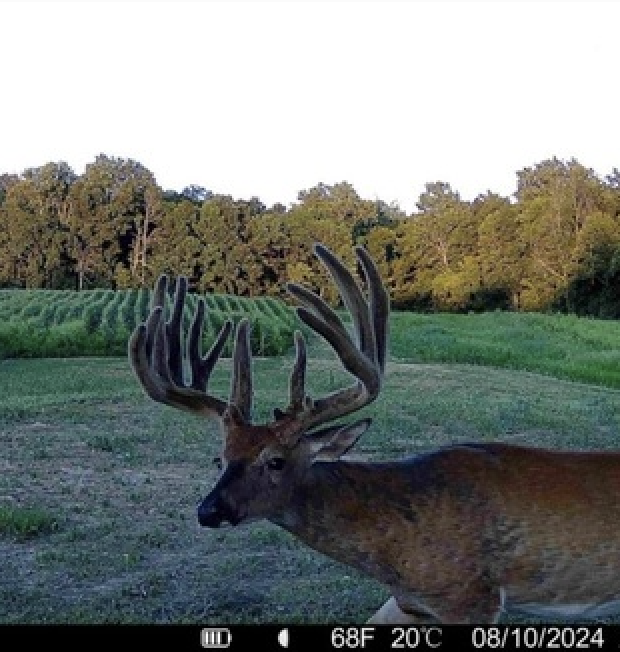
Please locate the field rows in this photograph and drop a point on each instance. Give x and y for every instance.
(39, 323)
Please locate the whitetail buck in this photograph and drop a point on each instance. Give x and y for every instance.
(457, 535)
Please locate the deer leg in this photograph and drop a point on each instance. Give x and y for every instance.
(391, 614)
(481, 604)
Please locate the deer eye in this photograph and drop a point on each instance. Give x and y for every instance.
(218, 463)
(276, 463)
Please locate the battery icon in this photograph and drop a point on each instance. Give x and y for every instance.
(215, 637)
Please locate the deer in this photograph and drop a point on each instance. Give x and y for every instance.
(460, 534)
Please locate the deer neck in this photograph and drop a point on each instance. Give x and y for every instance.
(335, 510)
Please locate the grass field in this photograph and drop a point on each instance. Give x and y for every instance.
(98, 485)
(565, 346)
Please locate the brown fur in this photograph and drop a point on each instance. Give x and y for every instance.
(446, 530)
(454, 533)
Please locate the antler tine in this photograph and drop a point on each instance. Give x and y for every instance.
(157, 305)
(156, 356)
(364, 359)
(322, 319)
(202, 367)
(378, 304)
(352, 297)
(241, 382)
(298, 375)
(172, 334)
(297, 382)
(140, 347)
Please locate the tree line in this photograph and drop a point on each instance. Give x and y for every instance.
(554, 245)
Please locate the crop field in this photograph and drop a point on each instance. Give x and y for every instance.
(99, 485)
(60, 323)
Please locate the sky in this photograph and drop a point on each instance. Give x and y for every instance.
(268, 98)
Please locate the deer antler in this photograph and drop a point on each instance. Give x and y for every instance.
(363, 357)
(156, 351)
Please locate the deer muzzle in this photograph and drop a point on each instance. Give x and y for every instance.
(210, 513)
(217, 507)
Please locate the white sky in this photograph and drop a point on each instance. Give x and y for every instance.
(269, 98)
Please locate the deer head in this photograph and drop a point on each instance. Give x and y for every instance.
(261, 464)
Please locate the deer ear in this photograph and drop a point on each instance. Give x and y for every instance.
(331, 443)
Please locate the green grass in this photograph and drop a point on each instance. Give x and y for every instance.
(98, 484)
(564, 346)
(23, 523)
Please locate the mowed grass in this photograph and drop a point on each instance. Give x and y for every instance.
(105, 482)
(564, 346)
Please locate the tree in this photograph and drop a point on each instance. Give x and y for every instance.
(339, 201)
(381, 242)
(144, 224)
(442, 216)
(414, 267)
(325, 214)
(175, 249)
(500, 252)
(595, 287)
(6, 181)
(222, 231)
(556, 200)
(437, 198)
(119, 201)
(36, 209)
(278, 208)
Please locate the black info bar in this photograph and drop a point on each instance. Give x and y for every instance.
(314, 637)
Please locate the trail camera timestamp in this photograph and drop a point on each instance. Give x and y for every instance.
(463, 637)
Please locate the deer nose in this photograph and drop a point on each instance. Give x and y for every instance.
(209, 513)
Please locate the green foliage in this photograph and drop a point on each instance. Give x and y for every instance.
(141, 310)
(127, 309)
(553, 247)
(71, 338)
(24, 523)
(94, 310)
(50, 323)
